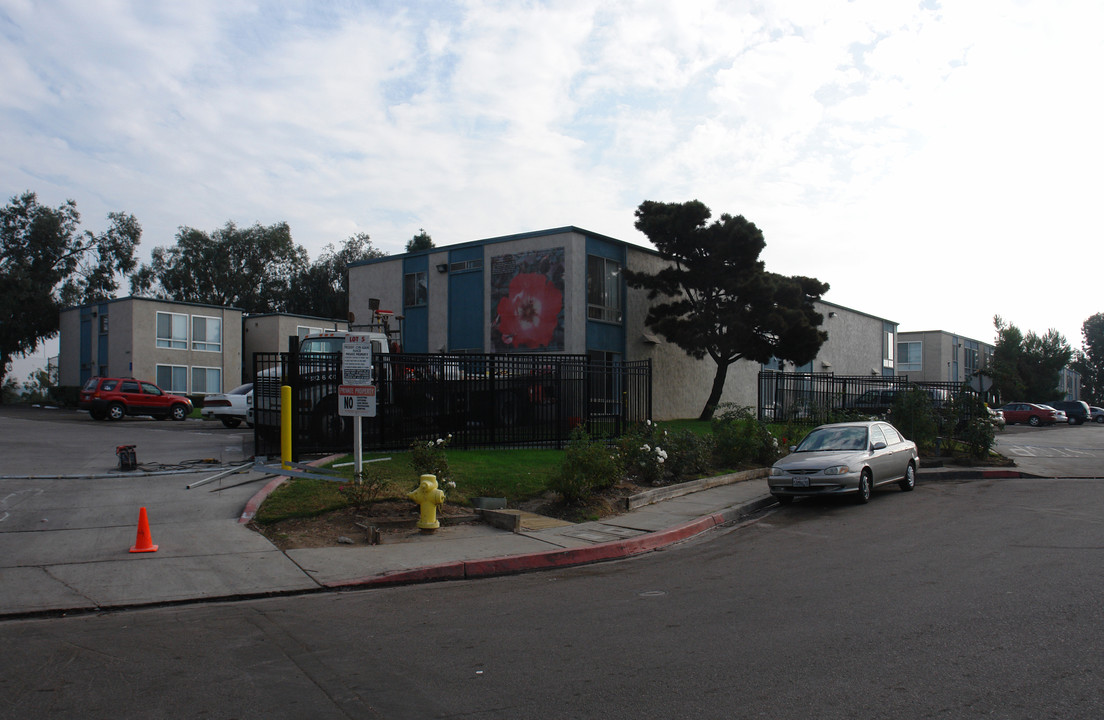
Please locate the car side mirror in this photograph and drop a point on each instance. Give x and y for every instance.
(878, 446)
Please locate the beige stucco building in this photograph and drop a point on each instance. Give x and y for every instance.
(183, 347)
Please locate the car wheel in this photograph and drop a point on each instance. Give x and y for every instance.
(178, 412)
(231, 422)
(116, 411)
(783, 499)
(908, 482)
(1073, 421)
(1034, 421)
(866, 482)
(1099, 419)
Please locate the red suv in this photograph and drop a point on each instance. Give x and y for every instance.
(113, 398)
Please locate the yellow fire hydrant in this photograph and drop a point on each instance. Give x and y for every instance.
(428, 498)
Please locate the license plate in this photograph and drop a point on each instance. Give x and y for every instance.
(801, 482)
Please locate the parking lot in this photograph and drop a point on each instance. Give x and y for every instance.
(1056, 450)
(42, 441)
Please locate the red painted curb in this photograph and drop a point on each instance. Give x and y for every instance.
(255, 502)
(430, 573)
(514, 564)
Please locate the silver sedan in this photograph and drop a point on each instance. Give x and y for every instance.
(845, 459)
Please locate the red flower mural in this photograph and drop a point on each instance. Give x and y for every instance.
(529, 314)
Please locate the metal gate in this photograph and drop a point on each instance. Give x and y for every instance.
(481, 400)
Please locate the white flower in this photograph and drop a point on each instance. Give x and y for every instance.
(452, 483)
(646, 447)
(440, 441)
(649, 422)
(659, 460)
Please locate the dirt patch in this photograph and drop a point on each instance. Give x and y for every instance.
(400, 516)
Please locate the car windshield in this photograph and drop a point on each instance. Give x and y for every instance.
(839, 438)
(323, 345)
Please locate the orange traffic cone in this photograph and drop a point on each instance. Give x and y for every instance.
(144, 543)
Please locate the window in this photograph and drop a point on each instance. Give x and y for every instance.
(463, 265)
(603, 289)
(909, 356)
(129, 386)
(303, 330)
(415, 289)
(103, 323)
(887, 350)
(206, 380)
(172, 330)
(172, 378)
(206, 333)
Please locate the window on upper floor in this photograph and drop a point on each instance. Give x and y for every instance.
(415, 289)
(206, 333)
(603, 289)
(172, 330)
(909, 356)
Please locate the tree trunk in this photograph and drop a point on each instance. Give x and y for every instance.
(715, 393)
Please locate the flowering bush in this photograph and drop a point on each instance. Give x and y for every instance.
(428, 457)
(642, 453)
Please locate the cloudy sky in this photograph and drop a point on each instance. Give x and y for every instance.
(936, 162)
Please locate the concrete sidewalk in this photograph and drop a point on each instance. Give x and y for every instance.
(55, 560)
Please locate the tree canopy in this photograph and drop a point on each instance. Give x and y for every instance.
(249, 268)
(47, 263)
(322, 289)
(1089, 360)
(1027, 367)
(421, 241)
(717, 298)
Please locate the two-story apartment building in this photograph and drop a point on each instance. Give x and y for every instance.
(183, 347)
(563, 291)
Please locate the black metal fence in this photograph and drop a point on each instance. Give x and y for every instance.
(479, 400)
(816, 398)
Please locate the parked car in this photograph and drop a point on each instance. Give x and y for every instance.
(880, 401)
(1059, 415)
(1077, 411)
(845, 459)
(114, 398)
(1030, 413)
(1097, 413)
(229, 407)
(996, 417)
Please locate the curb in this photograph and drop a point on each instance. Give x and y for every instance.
(254, 502)
(553, 559)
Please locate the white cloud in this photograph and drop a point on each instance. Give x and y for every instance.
(917, 157)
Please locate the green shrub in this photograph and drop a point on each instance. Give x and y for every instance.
(740, 439)
(689, 455)
(587, 468)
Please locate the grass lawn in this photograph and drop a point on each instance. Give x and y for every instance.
(515, 474)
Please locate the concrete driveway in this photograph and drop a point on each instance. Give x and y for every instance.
(68, 518)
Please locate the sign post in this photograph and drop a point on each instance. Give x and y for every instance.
(356, 395)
